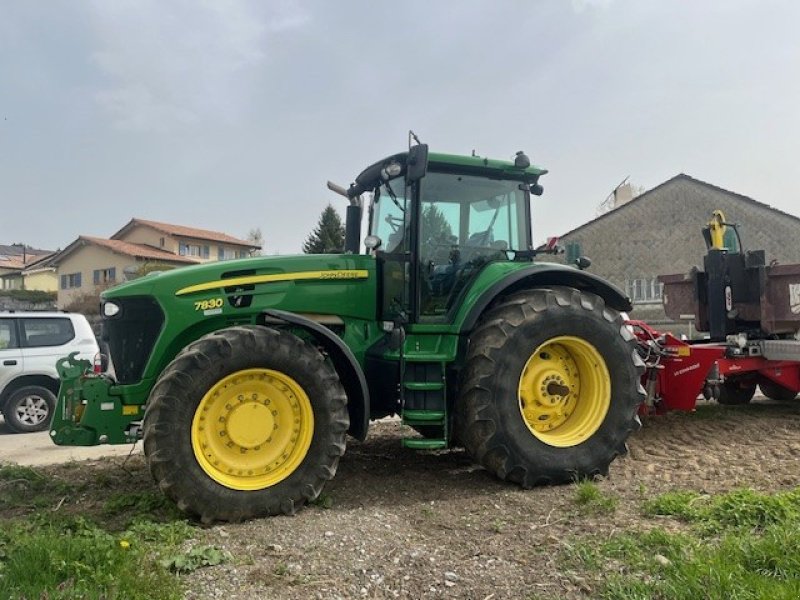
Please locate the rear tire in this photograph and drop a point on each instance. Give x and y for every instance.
(29, 409)
(775, 391)
(734, 392)
(551, 387)
(245, 422)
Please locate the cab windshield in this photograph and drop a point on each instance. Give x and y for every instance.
(472, 214)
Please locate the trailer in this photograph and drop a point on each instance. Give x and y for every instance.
(751, 312)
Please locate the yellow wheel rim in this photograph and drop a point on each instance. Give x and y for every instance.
(564, 391)
(252, 429)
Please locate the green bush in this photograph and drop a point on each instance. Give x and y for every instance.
(36, 296)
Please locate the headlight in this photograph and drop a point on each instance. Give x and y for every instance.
(371, 242)
(110, 309)
(393, 169)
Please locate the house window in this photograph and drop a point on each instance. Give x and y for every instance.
(646, 289)
(226, 253)
(193, 250)
(242, 254)
(105, 275)
(161, 242)
(70, 281)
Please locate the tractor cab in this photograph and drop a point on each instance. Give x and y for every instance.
(435, 220)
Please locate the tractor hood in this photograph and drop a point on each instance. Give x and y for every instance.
(301, 283)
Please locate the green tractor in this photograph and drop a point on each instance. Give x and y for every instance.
(245, 377)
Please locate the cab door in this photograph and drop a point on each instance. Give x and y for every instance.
(11, 362)
(392, 220)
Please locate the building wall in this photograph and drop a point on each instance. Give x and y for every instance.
(85, 260)
(143, 234)
(46, 281)
(659, 233)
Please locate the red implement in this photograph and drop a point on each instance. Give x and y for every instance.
(678, 372)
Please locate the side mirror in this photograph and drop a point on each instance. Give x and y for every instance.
(417, 163)
(583, 262)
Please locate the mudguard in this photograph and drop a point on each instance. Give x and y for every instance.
(542, 275)
(347, 367)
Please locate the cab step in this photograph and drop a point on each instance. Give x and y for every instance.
(424, 444)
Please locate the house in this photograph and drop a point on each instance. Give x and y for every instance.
(659, 233)
(11, 273)
(14, 260)
(91, 264)
(40, 274)
(202, 244)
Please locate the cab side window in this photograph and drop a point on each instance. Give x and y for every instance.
(8, 334)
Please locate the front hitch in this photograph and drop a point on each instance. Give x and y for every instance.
(88, 412)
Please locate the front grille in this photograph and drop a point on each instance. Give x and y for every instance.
(131, 336)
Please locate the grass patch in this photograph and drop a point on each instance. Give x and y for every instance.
(592, 500)
(742, 544)
(324, 501)
(194, 558)
(136, 504)
(75, 558)
(740, 509)
(27, 488)
(103, 533)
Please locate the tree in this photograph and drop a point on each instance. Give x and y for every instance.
(435, 226)
(255, 237)
(328, 235)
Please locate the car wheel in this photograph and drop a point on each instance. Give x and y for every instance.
(30, 408)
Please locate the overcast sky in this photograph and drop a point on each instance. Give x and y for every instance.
(232, 114)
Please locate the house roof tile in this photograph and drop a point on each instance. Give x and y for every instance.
(126, 248)
(678, 177)
(11, 263)
(188, 232)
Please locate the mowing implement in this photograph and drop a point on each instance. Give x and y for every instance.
(244, 377)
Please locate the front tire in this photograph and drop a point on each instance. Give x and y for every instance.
(551, 387)
(29, 409)
(245, 422)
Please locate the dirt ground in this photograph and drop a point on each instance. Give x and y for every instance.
(427, 525)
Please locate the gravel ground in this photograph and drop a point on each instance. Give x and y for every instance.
(408, 525)
(395, 523)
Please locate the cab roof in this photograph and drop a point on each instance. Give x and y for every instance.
(469, 165)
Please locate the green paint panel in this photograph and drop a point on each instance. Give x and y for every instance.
(484, 166)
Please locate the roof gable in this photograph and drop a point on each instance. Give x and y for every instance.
(676, 178)
(183, 231)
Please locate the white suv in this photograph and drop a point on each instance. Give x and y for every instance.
(30, 345)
